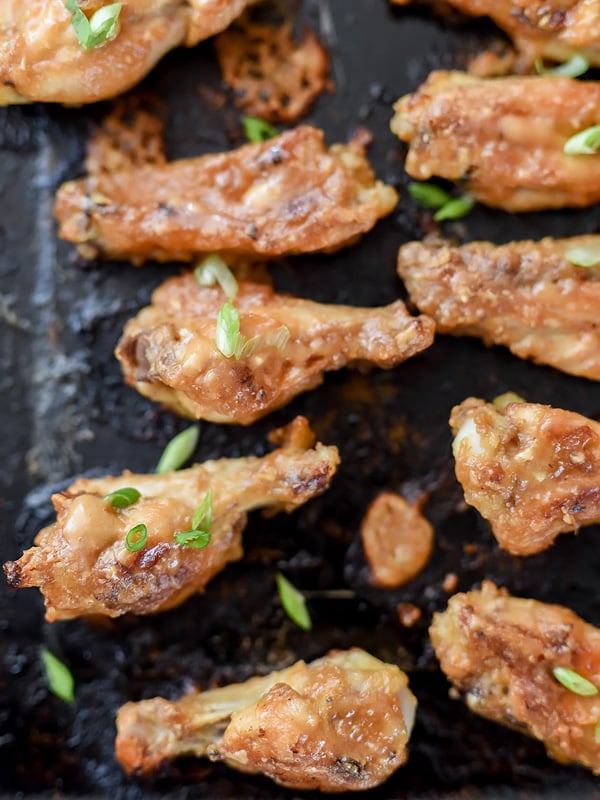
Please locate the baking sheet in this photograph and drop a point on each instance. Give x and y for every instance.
(66, 411)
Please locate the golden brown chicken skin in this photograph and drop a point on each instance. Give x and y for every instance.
(531, 470)
(168, 352)
(340, 723)
(500, 652)
(42, 60)
(553, 29)
(81, 562)
(524, 295)
(288, 195)
(503, 138)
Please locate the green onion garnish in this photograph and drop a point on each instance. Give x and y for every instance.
(195, 539)
(456, 208)
(136, 538)
(203, 515)
(428, 194)
(228, 337)
(99, 28)
(577, 65)
(586, 255)
(278, 338)
(597, 733)
(257, 130)
(504, 399)
(179, 450)
(574, 682)
(214, 270)
(123, 498)
(584, 143)
(293, 603)
(60, 680)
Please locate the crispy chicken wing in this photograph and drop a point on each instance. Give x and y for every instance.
(81, 562)
(287, 195)
(168, 351)
(531, 470)
(41, 59)
(339, 723)
(524, 295)
(501, 651)
(503, 138)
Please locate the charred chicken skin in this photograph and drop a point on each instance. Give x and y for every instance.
(82, 563)
(41, 58)
(168, 352)
(503, 138)
(531, 470)
(338, 724)
(287, 195)
(504, 654)
(524, 295)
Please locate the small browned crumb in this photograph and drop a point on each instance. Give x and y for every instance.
(273, 76)
(397, 540)
(491, 64)
(338, 724)
(408, 614)
(450, 582)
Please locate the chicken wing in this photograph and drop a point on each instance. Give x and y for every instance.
(337, 724)
(82, 564)
(531, 470)
(501, 652)
(524, 295)
(42, 60)
(168, 351)
(503, 138)
(287, 195)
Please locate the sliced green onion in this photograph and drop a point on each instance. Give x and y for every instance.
(584, 143)
(293, 603)
(99, 28)
(214, 270)
(203, 515)
(278, 338)
(574, 682)
(137, 538)
(228, 338)
(577, 65)
(428, 194)
(123, 498)
(597, 733)
(503, 400)
(257, 130)
(195, 539)
(179, 450)
(456, 208)
(60, 679)
(585, 255)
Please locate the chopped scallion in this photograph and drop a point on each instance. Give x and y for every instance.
(137, 538)
(99, 28)
(195, 539)
(179, 450)
(428, 194)
(60, 680)
(504, 399)
(577, 65)
(203, 515)
(257, 130)
(123, 498)
(574, 682)
(584, 143)
(585, 255)
(293, 603)
(597, 733)
(214, 270)
(456, 208)
(228, 337)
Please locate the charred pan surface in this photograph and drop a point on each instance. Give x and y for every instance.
(287, 195)
(503, 138)
(168, 352)
(524, 295)
(340, 723)
(42, 60)
(81, 563)
(530, 470)
(500, 651)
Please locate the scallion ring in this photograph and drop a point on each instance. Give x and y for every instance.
(99, 28)
(257, 130)
(577, 65)
(123, 498)
(214, 270)
(136, 538)
(293, 603)
(179, 450)
(574, 682)
(584, 143)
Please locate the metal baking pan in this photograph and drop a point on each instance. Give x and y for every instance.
(66, 411)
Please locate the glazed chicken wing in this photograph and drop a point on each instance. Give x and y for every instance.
(42, 60)
(168, 351)
(82, 564)
(531, 470)
(339, 723)
(524, 295)
(503, 138)
(287, 195)
(501, 652)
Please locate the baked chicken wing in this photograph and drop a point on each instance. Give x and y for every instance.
(508, 656)
(531, 470)
(83, 565)
(288, 195)
(524, 295)
(168, 352)
(503, 138)
(339, 723)
(41, 58)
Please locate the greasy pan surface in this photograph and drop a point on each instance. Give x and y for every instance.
(66, 411)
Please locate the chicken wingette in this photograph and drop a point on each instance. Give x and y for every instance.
(83, 563)
(531, 666)
(340, 723)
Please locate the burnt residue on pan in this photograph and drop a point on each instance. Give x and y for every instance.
(66, 411)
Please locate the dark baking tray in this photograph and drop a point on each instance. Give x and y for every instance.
(66, 411)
